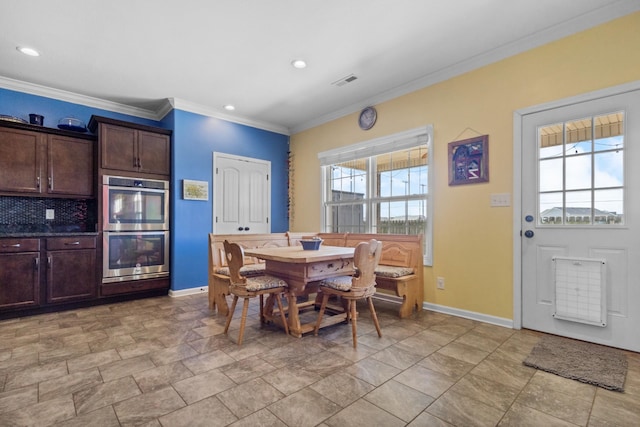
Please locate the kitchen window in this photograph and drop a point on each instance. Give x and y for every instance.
(380, 186)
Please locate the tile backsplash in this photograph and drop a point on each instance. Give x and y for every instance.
(28, 214)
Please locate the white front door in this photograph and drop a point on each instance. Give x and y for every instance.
(581, 220)
(242, 202)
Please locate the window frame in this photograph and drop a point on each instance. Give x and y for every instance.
(367, 149)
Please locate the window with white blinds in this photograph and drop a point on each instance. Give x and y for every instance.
(380, 186)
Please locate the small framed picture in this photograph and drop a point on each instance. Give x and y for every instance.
(469, 161)
(195, 190)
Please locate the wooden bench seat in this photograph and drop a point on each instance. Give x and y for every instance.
(400, 269)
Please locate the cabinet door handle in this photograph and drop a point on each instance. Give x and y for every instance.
(50, 180)
(38, 182)
(139, 163)
(76, 243)
(16, 245)
(36, 263)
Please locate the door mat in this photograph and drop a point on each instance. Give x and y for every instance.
(589, 363)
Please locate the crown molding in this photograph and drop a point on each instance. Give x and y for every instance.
(192, 107)
(75, 98)
(567, 28)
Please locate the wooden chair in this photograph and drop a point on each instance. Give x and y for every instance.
(362, 285)
(251, 287)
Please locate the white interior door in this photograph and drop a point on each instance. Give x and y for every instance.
(581, 220)
(242, 200)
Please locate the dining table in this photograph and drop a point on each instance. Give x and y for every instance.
(303, 270)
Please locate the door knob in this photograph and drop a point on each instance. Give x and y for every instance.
(528, 234)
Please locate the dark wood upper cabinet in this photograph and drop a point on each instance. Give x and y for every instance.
(70, 166)
(45, 162)
(20, 160)
(127, 147)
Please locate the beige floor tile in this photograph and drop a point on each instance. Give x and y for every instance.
(425, 380)
(104, 417)
(449, 366)
(461, 410)
(522, 416)
(162, 376)
(372, 371)
(289, 380)
(262, 418)
(101, 395)
(363, 414)
(397, 357)
(341, 388)
(249, 397)
(148, 407)
(304, 408)
(69, 384)
(122, 368)
(41, 414)
(567, 407)
(400, 400)
(201, 386)
(18, 398)
(209, 412)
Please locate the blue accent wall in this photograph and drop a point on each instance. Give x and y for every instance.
(195, 138)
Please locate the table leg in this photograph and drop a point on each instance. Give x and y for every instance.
(295, 328)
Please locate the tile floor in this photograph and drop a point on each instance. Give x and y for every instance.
(165, 362)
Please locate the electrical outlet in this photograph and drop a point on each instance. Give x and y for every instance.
(50, 214)
(440, 282)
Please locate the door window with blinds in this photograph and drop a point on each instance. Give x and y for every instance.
(380, 186)
(581, 172)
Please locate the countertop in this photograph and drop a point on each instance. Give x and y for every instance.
(36, 235)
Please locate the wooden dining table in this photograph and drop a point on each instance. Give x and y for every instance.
(303, 270)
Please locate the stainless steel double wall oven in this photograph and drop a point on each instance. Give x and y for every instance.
(135, 228)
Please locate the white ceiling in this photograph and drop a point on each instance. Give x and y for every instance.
(203, 54)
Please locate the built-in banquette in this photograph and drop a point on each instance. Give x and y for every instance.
(400, 269)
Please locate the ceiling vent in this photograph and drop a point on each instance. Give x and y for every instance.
(343, 81)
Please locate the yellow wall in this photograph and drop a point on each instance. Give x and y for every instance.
(473, 247)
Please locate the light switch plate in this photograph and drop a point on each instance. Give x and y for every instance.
(49, 214)
(500, 199)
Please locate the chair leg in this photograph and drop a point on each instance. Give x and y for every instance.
(281, 308)
(230, 313)
(374, 316)
(325, 297)
(354, 322)
(262, 308)
(243, 321)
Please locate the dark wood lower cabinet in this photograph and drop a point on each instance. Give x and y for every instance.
(56, 273)
(71, 269)
(19, 280)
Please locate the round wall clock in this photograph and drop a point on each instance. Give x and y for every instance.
(367, 118)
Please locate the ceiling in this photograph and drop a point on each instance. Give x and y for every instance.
(202, 54)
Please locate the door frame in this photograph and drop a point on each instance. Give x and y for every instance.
(518, 117)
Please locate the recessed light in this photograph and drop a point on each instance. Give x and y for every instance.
(28, 51)
(299, 63)
(229, 107)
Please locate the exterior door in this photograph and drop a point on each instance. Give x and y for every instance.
(242, 195)
(581, 220)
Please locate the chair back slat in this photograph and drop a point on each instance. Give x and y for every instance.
(235, 260)
(366, 258)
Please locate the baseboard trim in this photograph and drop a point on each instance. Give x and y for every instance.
(484, 318)
(186, 292)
